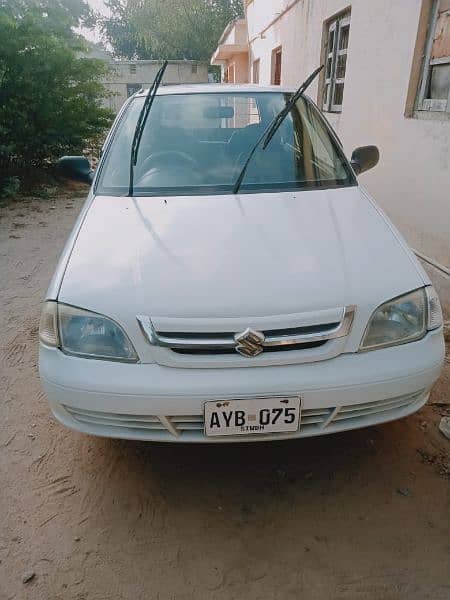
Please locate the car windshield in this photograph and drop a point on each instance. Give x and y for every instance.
(198, 143)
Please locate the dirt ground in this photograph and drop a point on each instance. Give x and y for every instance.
(361, 515)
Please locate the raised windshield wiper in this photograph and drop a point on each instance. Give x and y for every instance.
(148, 103)
(273, 126)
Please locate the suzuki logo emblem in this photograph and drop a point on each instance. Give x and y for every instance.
(250, 342)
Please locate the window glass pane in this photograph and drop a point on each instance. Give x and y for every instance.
(343, 37)
(323, 155)
(440, 82)
(340, 66)
(329, 66)
(338, 94)
(331, 41)
(326, 90)
(199, 142)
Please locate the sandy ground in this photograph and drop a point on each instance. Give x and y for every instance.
(353, 516)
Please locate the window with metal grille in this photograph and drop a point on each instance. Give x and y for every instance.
(133, 68)
(256, 64)
(276, 66)
(434, 88)
(338, 31)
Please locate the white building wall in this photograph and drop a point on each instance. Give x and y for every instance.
(412, 180)
(238, 33)
(121, 74)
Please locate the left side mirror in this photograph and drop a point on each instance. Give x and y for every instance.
(364, 158)
(77, 168)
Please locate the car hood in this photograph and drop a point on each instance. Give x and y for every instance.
(232, 256)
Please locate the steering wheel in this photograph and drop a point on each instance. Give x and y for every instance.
(166, 155)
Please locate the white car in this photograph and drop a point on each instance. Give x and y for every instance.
(189, 306)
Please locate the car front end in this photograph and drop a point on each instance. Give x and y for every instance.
(158, 403)
(183, 311)
(136, 342)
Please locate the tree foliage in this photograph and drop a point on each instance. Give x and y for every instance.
(122, 35)
(173, 29)
(50, 95)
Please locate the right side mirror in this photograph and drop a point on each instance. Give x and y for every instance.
(364, 158)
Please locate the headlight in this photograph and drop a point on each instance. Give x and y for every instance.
(404, 319)
(83, 333)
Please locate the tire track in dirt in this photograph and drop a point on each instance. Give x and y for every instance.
(13, 353)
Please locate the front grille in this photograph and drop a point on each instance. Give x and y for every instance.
(300, 337)
(212, 350)
(313, 421)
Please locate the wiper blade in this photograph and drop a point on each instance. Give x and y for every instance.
(289, 105)
(273, 126)
(148, 103)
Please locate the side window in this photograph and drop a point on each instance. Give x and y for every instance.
(336, 45)
(317, 147)
(434, 88)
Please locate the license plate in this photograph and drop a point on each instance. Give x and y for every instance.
(254, 416)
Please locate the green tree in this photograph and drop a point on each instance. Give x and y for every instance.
(50, 94)
(121, 33)
(173, 29)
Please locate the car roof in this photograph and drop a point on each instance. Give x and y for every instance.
(216, 88)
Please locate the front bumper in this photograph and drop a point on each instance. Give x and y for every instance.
(153, 402)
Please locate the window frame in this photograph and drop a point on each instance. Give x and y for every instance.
(278, 51)
(423, 104)
(335, 26)
(256, 70)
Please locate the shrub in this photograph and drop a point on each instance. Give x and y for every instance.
(10, 187)
(50, 94)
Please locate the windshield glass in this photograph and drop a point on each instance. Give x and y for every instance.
(198, 143)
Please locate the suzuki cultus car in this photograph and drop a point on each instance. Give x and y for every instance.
(229, 279)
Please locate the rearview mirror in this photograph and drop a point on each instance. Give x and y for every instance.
(364, 158)
(77, 168)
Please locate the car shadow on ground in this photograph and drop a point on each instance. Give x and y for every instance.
(261, 467)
